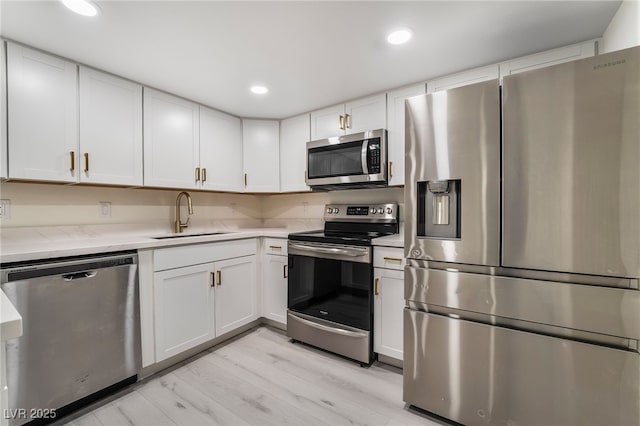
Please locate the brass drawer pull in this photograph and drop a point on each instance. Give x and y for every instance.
(86, 162)
(341, 121)
(219, 273)
(204, 175)
(275, 247)
(390, 168)
(72, 154)
(197, 174)
(376, 290)
(284, 271)
(392, 259)
(213, 282)
(347, 121)
(245, 179)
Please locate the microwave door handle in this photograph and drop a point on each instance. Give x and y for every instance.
(363, 157)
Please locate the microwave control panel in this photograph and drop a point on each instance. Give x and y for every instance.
(373, 155)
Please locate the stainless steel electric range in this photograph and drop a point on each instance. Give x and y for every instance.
(330, 284)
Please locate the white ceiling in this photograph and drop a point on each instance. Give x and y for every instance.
(310, 54)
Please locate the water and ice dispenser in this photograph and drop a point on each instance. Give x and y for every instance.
(439, 209)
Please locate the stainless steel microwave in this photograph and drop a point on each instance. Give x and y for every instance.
(343, 162)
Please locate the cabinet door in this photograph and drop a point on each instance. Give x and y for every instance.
(387, 312)
(325, 123)
(548, 58)
(3, 112)
(294, 135)
(171, 141)
(236, 303)
(220, 151)
(395, 130)
(43, 116)
(274, 288)
(261, 145)
(110, 129)
(184, 302)
(366, 114)
(464, 78)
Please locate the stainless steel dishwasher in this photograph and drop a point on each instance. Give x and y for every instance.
(81, 331)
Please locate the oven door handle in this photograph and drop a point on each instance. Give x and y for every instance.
(353, 252)
(334, 330)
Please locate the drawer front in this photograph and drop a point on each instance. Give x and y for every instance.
(275, 246)
(194, 254)
(477, 374)
(388, 257)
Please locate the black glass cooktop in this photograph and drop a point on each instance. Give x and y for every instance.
(355, 239)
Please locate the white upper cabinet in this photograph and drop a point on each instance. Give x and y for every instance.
(327, 122)
(261, 140)
(395, 128)
(43, 116)
(368, 113)
(220, 151)
(548, 58)
(294, 135)
(3, 113)
(110, 129)
(171, 141)
(464, 78)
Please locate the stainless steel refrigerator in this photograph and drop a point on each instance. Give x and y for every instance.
(523, 247)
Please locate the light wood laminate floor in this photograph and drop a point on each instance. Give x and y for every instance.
(261, 378)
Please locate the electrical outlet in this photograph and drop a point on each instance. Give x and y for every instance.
(233, 207)
(5, 209)
(105, 209)
(305, 206)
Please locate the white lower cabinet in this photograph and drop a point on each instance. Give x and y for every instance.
(196, 303)
(274, 288)
(184, 309)
(236, 302)
(388, 302)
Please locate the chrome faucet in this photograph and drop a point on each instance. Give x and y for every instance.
(179, 224)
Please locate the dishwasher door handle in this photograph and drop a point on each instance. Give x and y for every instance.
(79, 275)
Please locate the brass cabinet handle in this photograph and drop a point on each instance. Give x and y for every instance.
(72, 154)
(245, 179)
(376, 290)
(284, 271)
(219, 273)
(197, 174)
(390, 168)
(275, 247)
(347, 121)
(213, 282)
(393, 259)
(341, 122)
(86, 162)
(204, 175)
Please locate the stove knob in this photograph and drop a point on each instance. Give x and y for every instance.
(372, 211)
(329, 210)
(336, 210)
(380, 210)
(389, 210)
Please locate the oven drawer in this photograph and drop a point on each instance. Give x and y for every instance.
(475, 373)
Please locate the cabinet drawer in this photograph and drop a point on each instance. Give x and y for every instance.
(194, 254)
(275, 246)
(388, 257)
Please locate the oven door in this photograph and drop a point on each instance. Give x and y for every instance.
(332, 282)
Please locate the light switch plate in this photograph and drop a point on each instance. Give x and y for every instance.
(5, 209)
(105, 209)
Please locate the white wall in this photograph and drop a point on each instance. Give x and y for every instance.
(42, 205)
(624, 29)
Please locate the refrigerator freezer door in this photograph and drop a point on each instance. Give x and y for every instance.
(454, 136)
(571, 156)
(478, 374)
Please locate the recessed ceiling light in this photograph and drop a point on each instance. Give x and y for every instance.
(259, 90)
(400, 36)
(82, 7)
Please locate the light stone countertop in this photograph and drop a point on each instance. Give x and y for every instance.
(37, 243)
(395, 240)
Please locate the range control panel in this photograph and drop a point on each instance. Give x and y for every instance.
(361, 212)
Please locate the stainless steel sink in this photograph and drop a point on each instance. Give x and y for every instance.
(165, 237)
